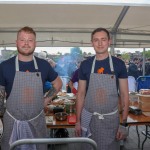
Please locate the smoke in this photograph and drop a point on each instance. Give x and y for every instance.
(67, 64)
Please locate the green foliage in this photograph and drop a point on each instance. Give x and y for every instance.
(10, 54)
(125, 56)
(147, 54)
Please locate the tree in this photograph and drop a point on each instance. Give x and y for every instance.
(147, 54)
(125, 56)
(6, 54)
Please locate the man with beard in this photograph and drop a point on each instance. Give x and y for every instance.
(22, 78)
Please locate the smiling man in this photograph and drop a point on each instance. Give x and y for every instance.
(100, 78)
(22, 78)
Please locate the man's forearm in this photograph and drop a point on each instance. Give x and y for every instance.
(51, 93)
(2, 98)
(125, 110)
(49, 96)
(79, 107)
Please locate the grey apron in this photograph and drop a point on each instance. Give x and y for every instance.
(25, 109)
(99, 117)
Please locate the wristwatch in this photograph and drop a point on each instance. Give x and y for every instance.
(124, 123)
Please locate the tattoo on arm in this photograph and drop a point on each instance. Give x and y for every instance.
(2, 97)
(52, 92)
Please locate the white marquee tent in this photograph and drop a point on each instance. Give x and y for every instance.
(64, 23)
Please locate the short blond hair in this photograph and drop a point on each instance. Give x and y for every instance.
(27, 29)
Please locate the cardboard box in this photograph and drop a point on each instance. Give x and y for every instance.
(144, 103)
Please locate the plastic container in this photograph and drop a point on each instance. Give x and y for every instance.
(72, 119)
(69, 106)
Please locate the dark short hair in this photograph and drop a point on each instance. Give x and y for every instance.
(27, 29)
(135, 59)
(100, 30)
(118, 55)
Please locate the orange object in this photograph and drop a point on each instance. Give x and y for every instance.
(72, 119)
(100, 70)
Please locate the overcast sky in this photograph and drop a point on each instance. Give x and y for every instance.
(63, 50)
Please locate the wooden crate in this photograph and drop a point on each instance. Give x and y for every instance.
(133, 97)
(144, 102)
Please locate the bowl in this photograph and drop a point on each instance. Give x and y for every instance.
(58, 109)
(50, 108)
(61, 116)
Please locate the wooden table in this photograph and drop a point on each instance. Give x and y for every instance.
(132, 120)
(57, 124)
(136, 120)
(61, 124)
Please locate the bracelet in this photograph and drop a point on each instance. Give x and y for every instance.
(124, 124)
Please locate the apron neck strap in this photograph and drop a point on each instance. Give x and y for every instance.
(110, 63)
(17, 63)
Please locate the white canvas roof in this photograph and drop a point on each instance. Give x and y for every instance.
(67, 23)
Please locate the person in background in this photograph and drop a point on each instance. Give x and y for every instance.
(133, 68)
(119, 56)
(147, 67)
(58, 69)
(140, 67)
(100, 77)
(42, 55)
(47, 85)
(73, 83)
(127, 64)
(22, 78)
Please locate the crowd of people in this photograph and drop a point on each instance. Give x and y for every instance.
(135, 66)
(135, 70)
(100, 81)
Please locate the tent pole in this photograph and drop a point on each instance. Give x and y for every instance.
(112, 48)
(143, 65)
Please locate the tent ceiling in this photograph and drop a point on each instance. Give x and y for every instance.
(71, 25)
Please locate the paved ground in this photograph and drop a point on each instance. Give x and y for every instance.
(131, 143)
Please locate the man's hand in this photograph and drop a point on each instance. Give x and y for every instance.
(77, 129)
(47, 101)
(122, 133)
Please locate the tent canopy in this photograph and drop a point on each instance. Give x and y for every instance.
(61, 24)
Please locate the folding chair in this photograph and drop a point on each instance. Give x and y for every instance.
(131, 84)
(143, 82)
